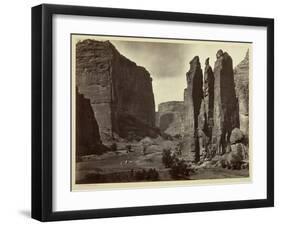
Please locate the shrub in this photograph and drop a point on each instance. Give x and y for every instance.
(152, 174)
(179, 169)
(168, 158)
(147, 175)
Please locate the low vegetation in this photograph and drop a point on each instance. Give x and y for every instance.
(168, 158)
(179, 169)
(126, 176)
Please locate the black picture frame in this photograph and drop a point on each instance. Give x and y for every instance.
(42, 111)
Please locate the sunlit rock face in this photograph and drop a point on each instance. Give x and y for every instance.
(241, 79)
(120, 91)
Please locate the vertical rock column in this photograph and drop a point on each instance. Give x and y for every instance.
(208, 88)
(192, 99)
(241, 78)
(226, 110)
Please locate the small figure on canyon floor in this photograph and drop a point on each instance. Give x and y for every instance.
(129, 148)
(144, 149)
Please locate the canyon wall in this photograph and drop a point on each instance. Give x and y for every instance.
(170, 117)
(241, 79)
(120, 91)
(87, 130)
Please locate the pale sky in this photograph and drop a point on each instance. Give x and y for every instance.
(168, 60)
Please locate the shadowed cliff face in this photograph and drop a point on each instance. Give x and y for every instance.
(192, 99)
(193, 95)
(226, 112)
(119, 90)
(87, 130)
(208, 88)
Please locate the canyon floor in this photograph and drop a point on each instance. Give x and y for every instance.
(117, 166)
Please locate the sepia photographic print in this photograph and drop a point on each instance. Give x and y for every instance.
(155, 112)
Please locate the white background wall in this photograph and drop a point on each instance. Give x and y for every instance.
(15, 114)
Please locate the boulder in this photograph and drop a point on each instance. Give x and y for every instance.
(240, 149)
(236, 136)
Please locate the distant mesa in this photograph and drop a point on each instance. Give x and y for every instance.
(170, 117)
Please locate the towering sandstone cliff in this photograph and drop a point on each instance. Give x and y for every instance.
(208, 88)
(193, 95)
(120, 91)
(241, 79)
(226, 110)
(212, 108)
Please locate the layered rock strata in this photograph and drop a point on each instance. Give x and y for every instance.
(120, 91)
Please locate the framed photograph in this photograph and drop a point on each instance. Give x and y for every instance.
(146, 112)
